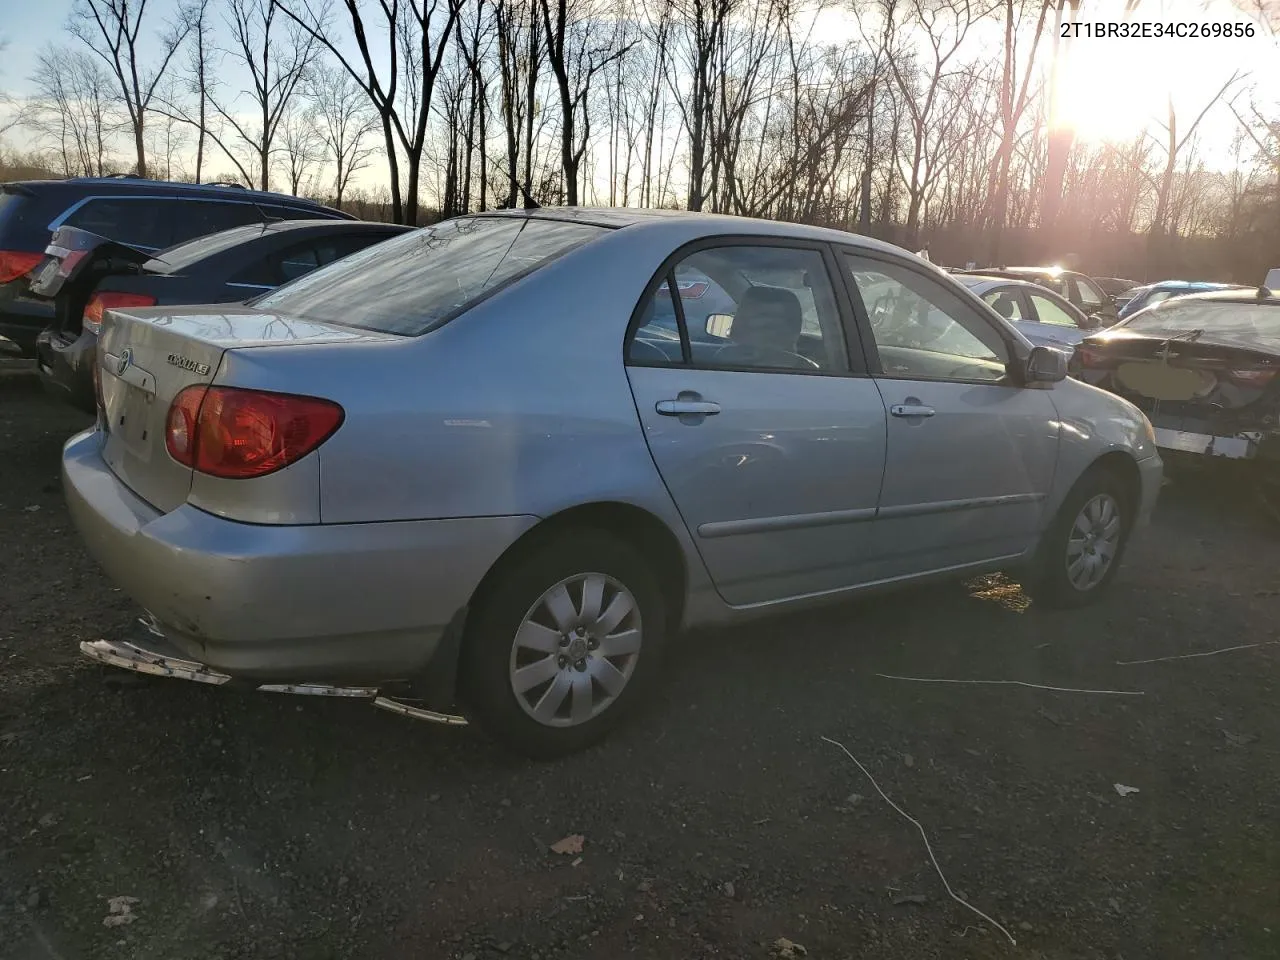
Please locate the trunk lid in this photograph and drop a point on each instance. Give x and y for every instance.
(146, 356)
(75, 263)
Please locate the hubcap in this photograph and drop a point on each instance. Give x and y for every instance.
(575, 650)
(1092, 543)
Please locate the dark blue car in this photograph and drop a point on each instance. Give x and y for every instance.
(1155, 292)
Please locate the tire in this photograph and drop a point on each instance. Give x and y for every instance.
(522, 623)
(1097, 498)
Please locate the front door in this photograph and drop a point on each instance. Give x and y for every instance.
(970, 455)
(768, 438)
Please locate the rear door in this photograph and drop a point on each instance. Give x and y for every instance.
(770, 440)
(970, 454)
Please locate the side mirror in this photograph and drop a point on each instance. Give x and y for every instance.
(1045, 365)
(720, 324)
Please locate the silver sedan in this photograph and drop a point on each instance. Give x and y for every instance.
(509, 456)
(1040, 315)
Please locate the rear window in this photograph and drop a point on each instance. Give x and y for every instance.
(413, 282)
(1218, 319)
(178, 258)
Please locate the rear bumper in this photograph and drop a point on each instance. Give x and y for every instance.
(66, 369)
(342, 603)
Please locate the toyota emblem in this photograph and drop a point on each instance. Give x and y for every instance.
(126, 358)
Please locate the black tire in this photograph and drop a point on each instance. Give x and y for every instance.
(1049, 583)
(518, 585)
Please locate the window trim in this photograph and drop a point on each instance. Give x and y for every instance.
(1013, 369)
(666, 272)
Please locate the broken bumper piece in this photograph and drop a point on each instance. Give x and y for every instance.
(130, 656)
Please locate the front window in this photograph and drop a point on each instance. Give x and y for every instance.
(414, 282)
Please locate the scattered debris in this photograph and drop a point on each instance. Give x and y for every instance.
(924, 836)
(1123, 790)
(1015, 683)
(47, 820)
(909, 760)
(1207, 653)
(727, 889)
(576, 862)
(1025, 927)
(1240, 739)
(785, 949)
(32, 509)
(761, 823)
(571, 844)
(910, 898)
(120, 911)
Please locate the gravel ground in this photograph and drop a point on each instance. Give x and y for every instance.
(249, 825)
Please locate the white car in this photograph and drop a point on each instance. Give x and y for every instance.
(1040, 315)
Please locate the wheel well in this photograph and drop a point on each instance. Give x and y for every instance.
(638, 527)
(1125, 470)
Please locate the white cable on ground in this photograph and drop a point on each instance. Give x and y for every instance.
(1207, 653)
(1016, 683)
(924, 836)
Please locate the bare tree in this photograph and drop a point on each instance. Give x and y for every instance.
(399, 80)
(344, 121)
(276, 55)
(112, 29)
(72, 108)
(301, 148)
(198, 64)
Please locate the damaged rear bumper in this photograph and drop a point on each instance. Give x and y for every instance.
(155, 658)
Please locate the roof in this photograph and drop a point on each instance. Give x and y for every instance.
(696, 224)
(1241, 295)
(1193, 285)
(139, 184)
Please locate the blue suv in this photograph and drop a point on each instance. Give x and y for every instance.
(149, 214)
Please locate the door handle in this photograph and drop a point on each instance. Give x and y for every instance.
(677, 408)
(911, 410)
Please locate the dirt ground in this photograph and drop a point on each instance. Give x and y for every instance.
(250, 825)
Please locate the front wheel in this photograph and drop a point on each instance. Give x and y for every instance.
(565, 642)
(1081, 551)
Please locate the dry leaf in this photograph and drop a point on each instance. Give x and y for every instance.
(571, 844)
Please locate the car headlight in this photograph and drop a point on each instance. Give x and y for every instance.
(1149, 429)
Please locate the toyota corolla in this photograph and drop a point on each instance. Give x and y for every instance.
(509, 456)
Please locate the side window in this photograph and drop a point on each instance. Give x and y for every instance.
(198, 218)
(1049, 312)
(756, 307)
(657, 337)
(140, 223)
(923, 330)
(1007, 303)
(292, 262)
(1088, 298)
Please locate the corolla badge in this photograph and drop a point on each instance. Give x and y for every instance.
(186, 363)
(124, 360)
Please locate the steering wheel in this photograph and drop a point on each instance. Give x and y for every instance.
(762, 357)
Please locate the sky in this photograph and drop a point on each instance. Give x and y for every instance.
(1112, 88)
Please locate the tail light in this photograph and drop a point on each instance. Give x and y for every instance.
(16, 263)
(238, 434)
(1251, 378)
(92, 320)
(1089, 357)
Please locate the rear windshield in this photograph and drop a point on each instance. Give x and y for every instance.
(178, 258)
(1218, 319)
(410, 283)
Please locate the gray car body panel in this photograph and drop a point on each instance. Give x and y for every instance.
(522, 408)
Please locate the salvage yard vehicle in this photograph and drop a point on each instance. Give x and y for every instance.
(85, 273)
(1040, 315)
(466, 460)
(1204, 369)
(1153, 293)
(1084, 292)
(147, 214)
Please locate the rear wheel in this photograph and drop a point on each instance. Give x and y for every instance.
(1081, 551)
(564, 643)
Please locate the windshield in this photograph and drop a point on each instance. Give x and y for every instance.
(1218, 319)
(411, 283)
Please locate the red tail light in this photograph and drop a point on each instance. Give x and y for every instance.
(15, 263)
(99, 302)
(237, 434)
(1251, 378)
